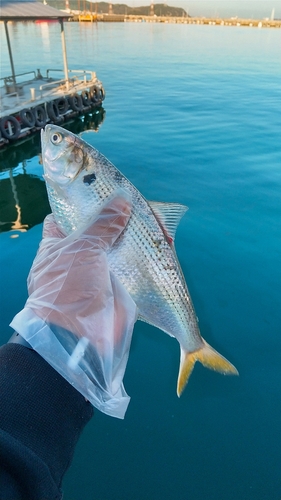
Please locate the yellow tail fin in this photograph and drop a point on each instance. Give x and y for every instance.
(208, 357)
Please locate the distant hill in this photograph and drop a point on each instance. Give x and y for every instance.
(160, 9)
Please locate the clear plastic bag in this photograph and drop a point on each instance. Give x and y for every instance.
(78, 316)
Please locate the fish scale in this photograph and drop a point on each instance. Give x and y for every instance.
(79, 179)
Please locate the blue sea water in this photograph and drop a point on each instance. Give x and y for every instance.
(192, 116)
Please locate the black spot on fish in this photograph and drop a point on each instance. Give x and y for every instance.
(88, 179)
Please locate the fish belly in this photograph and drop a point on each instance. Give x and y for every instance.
(147, 266)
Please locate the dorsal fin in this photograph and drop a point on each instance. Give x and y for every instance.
(169, 215)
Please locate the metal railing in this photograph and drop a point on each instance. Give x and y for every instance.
(10, 78)
(78, 71)
(48, 70)
(51, 84)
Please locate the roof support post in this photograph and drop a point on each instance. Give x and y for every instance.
(64, 55)
(10, 53)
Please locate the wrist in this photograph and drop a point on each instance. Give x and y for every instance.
(16, 338)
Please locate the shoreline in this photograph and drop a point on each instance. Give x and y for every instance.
(210, 21)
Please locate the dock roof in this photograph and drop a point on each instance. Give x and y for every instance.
(27, 10)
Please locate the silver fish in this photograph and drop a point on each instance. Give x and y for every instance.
(78, 180)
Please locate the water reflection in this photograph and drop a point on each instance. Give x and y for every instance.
(17, 224)
(45, 34)
(23, 197)
(24, 201)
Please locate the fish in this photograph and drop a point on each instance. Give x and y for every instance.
(79, 179)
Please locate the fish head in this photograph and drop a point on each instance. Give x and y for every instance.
(73, 172)
(63, 154)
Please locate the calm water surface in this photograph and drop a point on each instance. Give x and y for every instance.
(192, 116)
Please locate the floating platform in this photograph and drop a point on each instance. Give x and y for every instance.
(35, 100)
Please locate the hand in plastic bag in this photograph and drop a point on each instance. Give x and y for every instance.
(78, 316)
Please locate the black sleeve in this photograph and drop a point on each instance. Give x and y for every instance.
(41, 419)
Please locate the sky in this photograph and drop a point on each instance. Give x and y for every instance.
(222, 8)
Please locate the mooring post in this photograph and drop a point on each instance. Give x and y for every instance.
(10, 54)
(64, 55)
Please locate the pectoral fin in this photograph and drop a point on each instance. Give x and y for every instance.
(208, 357)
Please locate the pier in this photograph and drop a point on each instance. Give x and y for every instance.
(210, 21)
(29, 100)
(36, 100)
(213, 21)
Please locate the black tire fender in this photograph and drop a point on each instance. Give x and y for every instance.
(95, 94)
(27, 117)
(40, 116)
(86, 97)
(53, 111)
(76, 102)
(102, 91)
(11, 131)
(62, 104)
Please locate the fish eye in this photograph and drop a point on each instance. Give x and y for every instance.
(56, 138)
